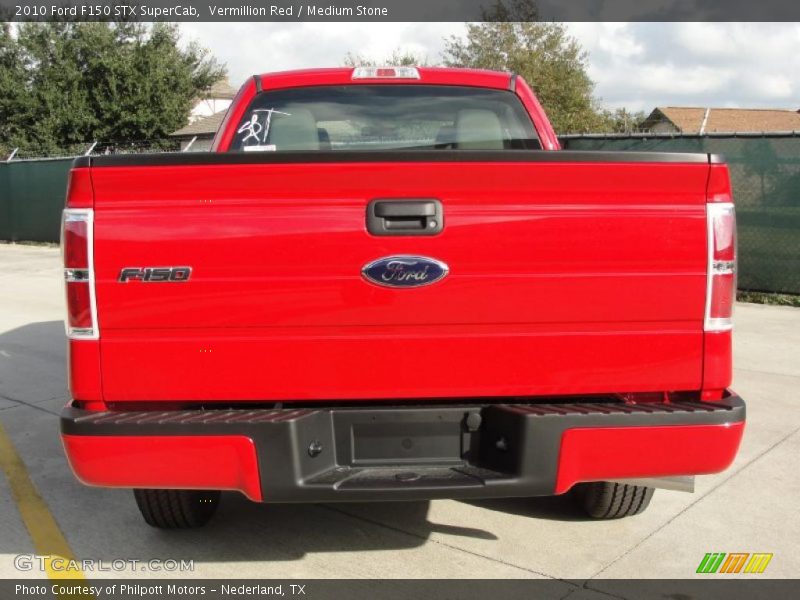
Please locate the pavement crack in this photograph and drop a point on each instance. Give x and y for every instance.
(446, 545)
(29, 404)
(732, 474)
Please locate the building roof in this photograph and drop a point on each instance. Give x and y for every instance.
(202, 127)
(221, 89)
(725, 120)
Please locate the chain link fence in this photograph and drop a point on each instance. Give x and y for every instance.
(765, 174)
(33, 182)
(90, 149)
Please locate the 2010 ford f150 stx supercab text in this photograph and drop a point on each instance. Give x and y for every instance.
(392, 284)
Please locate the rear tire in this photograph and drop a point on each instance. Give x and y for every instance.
(607, 500)
(177, 509)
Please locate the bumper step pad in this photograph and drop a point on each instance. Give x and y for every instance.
(425, 451)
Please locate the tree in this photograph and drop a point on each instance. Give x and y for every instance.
(549, 59)
(115, 82)
(511, 10)
(620, 120)
(510, 38)
(398, 58)
(13, 92)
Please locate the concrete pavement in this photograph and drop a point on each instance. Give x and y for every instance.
(752, 507)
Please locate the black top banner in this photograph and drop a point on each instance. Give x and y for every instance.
(401, 10)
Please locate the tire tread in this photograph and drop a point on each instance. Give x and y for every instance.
(176, 509)
(609, 500)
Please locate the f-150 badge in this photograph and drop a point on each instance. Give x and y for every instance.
(405, 271)
(155, 274)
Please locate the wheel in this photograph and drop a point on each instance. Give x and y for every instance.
(606, 500)
(177, 509)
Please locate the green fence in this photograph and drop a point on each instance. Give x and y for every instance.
(765, 173)
(31, 199)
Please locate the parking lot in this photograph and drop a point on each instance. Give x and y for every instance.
(752, 507)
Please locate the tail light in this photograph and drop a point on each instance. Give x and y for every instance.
(385, 73)
(77, 229)
(721, 285)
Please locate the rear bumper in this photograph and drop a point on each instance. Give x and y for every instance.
(396, 453)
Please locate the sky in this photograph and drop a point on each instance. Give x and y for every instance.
(635, 65)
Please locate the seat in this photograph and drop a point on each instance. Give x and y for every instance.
(478, 129)
(445, 138)
(295, 131)
(324, 138)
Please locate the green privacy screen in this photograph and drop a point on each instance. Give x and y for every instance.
(765, 173)
(31, 199)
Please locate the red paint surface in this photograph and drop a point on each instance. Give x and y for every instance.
(166, 462)
(717, 363)
(600, 454)
(564, 278)
(719, 184)
(547, 134)
(83, 369)
(79, 189)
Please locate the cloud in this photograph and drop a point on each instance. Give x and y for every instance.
(249, 48)
(635, 65)
(694, 64)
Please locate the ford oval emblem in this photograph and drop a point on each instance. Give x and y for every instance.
(405, 271)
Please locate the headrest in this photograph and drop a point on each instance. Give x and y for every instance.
(324, 138)
(445, 137)
(295, 131)
(478, 129)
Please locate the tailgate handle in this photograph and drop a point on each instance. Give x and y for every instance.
(405, 217)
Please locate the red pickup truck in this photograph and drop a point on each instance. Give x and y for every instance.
(392, 284)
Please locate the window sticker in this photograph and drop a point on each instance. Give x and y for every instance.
(258, 131)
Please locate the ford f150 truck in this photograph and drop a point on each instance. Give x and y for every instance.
(392, 284)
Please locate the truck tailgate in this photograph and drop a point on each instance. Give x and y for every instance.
(565, 277)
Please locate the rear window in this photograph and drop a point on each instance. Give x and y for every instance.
(385, 117)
